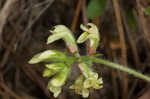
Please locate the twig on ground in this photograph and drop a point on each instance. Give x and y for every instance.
(111, 56)
(123, 46)
(143, 21)
(4, 13)
(84, 13)
(131, 40)
(76, 15)
(25, 32)
(9, 91)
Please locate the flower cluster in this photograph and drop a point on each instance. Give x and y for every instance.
(60, 69)
(89, 79)
(60, 66)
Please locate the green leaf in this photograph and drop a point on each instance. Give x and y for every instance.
(130, 19)
(147, 10)
(96, 8)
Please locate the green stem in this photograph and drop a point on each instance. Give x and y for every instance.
(122, 68)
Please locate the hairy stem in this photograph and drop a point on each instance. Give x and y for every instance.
(122, 68)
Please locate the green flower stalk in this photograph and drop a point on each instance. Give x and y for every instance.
(92, 34)
(58, 81)
(62, 32)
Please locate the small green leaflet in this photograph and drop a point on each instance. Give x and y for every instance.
(96, 8)
(147, 10)
(130, 19)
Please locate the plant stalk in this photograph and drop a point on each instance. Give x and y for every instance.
(121, 68)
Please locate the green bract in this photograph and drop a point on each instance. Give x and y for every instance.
(92, 34)
(62, 32)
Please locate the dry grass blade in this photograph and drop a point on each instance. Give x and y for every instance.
(76, 15)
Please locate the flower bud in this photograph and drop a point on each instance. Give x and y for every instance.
(55, 66)
(58, 81)
(92, 34)
(47, 56)
(55, 90)
(62, 32)
(60, 78)
(48, 72)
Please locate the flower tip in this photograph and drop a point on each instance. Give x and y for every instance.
(47, 42)
(32, 61)
(55, 90)
(78, 41)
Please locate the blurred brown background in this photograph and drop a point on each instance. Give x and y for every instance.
(24, 26)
